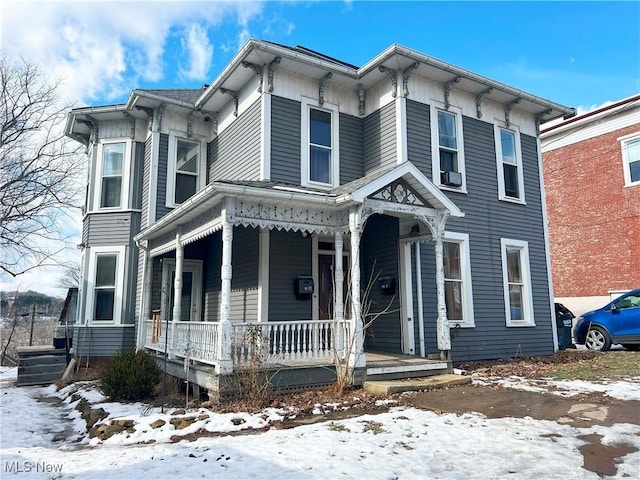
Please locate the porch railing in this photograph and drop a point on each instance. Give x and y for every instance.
(287, 343)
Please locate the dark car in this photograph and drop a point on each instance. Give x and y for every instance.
(616, 322)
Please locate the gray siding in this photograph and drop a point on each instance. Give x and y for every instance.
(236, 154)
(102, 341)
(487, 220)
(290, 256)
(419, 136)
(211, 274)
(380, 138)
(380, 259)
(285, 140)
(351, 148)
(161, 185)
(115, 228)
(136, 175)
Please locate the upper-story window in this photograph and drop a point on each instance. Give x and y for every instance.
(186, 169)
(447, 148)
(631, 158)
(509, 164)
(112, 170)
(319, 150)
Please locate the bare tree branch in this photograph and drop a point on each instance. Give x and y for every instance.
(39, 169)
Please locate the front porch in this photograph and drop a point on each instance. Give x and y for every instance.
(216, 324)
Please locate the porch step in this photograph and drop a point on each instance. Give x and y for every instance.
(40, 365)
(386, 387)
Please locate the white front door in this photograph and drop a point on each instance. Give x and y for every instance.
(191, 298)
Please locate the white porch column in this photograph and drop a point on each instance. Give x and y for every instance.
(177, 289)
(444, 338)
(225, 363)
(148, 282)
(356, 344)
(338, 282)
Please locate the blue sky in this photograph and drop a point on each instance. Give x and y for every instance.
(580, 54)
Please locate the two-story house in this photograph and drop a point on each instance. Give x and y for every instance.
(414, 185)
(592, 173)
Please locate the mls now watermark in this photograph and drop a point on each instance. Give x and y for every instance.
(27, 467)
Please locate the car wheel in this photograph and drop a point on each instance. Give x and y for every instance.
(631, 346)
(598, 339)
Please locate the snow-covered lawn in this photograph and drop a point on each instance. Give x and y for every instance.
(404, 443)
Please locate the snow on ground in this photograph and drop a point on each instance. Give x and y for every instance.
(622, 390)
(403, 443)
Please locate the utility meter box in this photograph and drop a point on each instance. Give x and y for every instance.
(303, 287)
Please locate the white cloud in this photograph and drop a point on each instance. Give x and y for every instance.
(580, 109)
(102, 50)
(199, 52)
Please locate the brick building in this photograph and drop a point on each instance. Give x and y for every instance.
(592, 179)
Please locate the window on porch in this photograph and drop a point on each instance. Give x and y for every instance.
(457, 279)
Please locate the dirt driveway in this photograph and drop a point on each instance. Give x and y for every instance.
(580, 411)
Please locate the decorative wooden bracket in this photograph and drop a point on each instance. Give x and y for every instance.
(272, 67)
(391, 75)
(257, 70)
(447, 90)
(321, 87)
(405, 77)
(132, 123)
(233, 94)
(159, 115)
(93, 125)
(507, 109)
(361, 97)
(539, 118)
(189, 126)
(479, 98)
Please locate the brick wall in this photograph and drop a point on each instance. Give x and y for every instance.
(594, 221)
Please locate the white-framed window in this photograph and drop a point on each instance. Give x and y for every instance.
(113, 175)
(320, 144)
(105, 281)
(518, 299)
(447, 148)
(457, 279)
(630, 145)
(509, 164)
(186, 169)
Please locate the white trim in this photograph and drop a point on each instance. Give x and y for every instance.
(406, 299)
(435, 146)
(265, 137)
(515, 130)
(418, 268)
(527, 296)
(171, 164)
(120, 252)
(547, 247)
(462, 239)
(263, 274)
(315, 274)
(193, 266)
(306, 104)
(626, 165)
(401, 130)
(153, 181)
(126, 176)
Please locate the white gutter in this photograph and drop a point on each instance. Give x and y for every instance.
(133, 98)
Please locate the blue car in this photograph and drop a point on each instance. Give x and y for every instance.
(616, 322)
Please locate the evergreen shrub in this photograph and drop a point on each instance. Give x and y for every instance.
(130, 376)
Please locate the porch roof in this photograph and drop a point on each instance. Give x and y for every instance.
(357, 192)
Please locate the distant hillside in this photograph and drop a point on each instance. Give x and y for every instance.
(21, 303)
